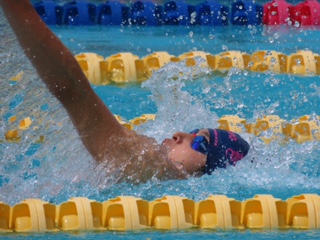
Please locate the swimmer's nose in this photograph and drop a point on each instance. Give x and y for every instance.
(179, 137)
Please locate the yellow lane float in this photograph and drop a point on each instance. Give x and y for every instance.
(268, 128)
(125, 213)
(126, 67)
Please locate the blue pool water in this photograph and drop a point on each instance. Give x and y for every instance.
(60, 167)
(185, 234)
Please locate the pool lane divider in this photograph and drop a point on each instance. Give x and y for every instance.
(127, 213)
(125, 67)
(268, 128)
(205, 13)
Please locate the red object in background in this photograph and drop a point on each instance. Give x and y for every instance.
(306, 13)
(276, 13)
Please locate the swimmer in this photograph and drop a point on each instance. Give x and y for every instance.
(131, 156)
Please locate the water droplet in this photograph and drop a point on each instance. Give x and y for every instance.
(206, 90)
(305, 99)
(240, 105)
(276, 35)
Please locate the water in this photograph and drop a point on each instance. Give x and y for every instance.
(60, 168)
(185, 234)
(177, 40)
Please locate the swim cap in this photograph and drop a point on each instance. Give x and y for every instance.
(225, 148)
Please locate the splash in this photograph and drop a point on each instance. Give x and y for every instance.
(30, 169)
(177, 109)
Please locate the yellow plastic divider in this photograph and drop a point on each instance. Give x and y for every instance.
(25, 123)
(263, 212)
(17, 77)
(304, 129)
(80, 214)
(189, 57)
(231, 59)
(121, 67)
(126, 67)
(125, 213)
(142, 119)
(232, 123)
(272, 122)
(219, 212)
(303, 63)
(172, 212)
(33, 215)
(274, 61)
(90, 65)
(12, 119)
(12, 135)
(154, 62)
(5, 213)
(304, 211)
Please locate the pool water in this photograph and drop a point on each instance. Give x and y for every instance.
(185, 234)
(60, 168)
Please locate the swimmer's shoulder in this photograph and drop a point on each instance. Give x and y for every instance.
(141, 158)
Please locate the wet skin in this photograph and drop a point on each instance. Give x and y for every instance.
(181, 153)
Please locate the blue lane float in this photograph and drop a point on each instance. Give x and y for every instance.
(246, 12)
(79, 13)
(50, 12)
(146, 13)
(112, 13)
(178, 12)
(212, 13)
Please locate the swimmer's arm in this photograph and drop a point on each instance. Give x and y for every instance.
(99, 130)
(63, 76)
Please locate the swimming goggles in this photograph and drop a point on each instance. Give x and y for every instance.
(199, 143)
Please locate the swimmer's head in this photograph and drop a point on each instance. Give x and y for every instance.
(205, 150)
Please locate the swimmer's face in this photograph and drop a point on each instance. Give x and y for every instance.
(181, 152)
